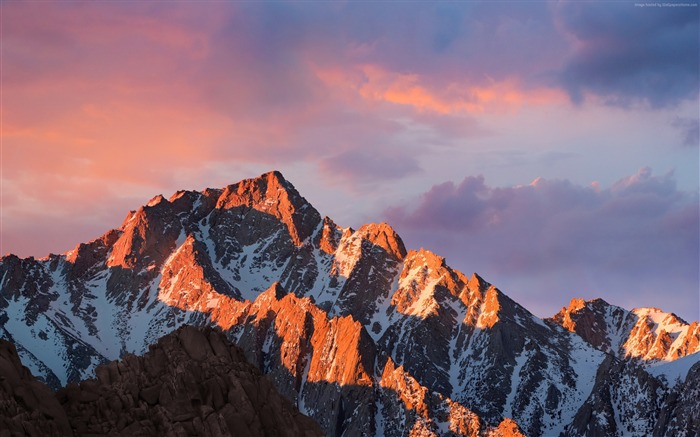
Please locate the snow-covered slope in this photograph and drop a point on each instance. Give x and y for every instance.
(675, 372)
(353, 328)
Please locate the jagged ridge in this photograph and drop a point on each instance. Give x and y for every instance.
(206, 258)
(647, 334)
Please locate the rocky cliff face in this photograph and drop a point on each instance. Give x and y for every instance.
(626, 400)
(681, 412)
(353, 329)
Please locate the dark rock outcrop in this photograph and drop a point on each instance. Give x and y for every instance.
(27, 406)
(193, 382)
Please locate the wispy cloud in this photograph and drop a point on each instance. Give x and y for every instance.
(689, 129)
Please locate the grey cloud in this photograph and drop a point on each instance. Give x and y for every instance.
(552, 237)
(628, 54)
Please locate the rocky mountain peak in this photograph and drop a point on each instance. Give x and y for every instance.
(384, 236)
(270, 193)
(660, 336)
(490, 309)
(590, 320)
(148, 234)
(268, 187)
(156, 200)
(575, 305)
(477, 283)
(431, 260)
(424, 277)
(649, 334)
(601, 324)
(330, 236)
(88, 256)
(658, 316)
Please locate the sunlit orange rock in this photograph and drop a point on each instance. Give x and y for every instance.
(644, 333)
(272, 194)
(507, 428)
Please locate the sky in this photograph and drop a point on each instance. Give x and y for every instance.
(551, 147)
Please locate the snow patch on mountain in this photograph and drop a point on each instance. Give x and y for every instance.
(674, 372)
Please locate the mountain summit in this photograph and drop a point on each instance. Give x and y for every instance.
(360, 334)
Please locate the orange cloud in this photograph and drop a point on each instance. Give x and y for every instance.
(374, 83)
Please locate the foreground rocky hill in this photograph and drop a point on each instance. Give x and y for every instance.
(366, 337)
(192, 382)
(27, 406)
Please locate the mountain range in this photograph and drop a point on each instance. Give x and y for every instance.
(355, 331)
